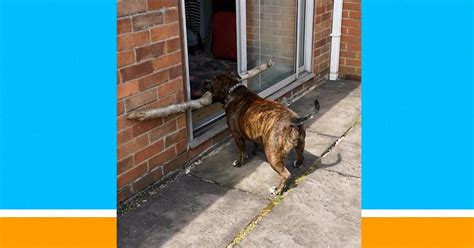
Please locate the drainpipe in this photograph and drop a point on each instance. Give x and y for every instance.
(336, 39)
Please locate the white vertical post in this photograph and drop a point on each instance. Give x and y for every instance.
(298, 32)
(308, 42)
(241, 13)
(336, 39)
(184, 42)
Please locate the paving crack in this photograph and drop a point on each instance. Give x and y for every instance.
(223, 185)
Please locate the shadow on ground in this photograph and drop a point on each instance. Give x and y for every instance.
(211, 204)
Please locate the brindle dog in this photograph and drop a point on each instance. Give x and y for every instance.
(262, 121)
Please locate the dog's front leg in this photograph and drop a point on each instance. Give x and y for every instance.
(241, 144)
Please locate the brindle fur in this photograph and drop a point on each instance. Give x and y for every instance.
(262, 121)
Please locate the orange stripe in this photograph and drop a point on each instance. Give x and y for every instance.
(57, 232)
(417, 232)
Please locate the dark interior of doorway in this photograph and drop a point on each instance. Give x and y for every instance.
(212, 49)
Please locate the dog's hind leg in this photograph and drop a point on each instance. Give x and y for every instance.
(241, 145)
(276, 162)
(299, 148)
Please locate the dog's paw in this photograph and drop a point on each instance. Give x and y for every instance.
(296, 164)
(236, 163)
(273, 190)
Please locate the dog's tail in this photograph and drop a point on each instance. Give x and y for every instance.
(302, 120)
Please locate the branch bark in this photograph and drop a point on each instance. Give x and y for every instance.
(257, 70)
(142, 115)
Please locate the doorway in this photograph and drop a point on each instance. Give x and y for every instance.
(233, 36)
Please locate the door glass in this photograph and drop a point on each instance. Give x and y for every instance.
(271, 33)
(301, 24)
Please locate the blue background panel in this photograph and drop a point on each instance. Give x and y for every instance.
(57, 104)
(417, 105)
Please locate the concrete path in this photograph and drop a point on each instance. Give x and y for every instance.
(217, 205)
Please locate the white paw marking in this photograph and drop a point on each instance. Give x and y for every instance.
(273, 190)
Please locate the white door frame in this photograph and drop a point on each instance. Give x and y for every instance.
(241, 22)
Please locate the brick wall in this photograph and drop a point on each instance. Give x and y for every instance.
(149, 73)
(322, 41)
(350, 56)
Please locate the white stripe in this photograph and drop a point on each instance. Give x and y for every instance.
(58, 213)
(367, 213)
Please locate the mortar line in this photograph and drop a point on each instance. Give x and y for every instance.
(240, 236)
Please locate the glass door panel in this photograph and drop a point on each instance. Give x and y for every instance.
(271, 34)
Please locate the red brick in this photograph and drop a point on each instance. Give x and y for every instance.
(173, 45)
(167, 61)
(124, 164)
(348, 54)
(354, 14)
(163, 102)
(147, 180)
(153, 80)
(351, 23)
(170, 87)
(353, 62)
(159, 4)
(170, 3)
(124, 136)
(140, 99)
(124, 194)
(176, 71)
(345, 14)
(125, 58)
(123, 122)
(350, 39)
(181, 146)
(171, 15)
(149, 152)
(150, 51)
(129, 7)
(326, 16)
(162, 131)
(353, 31)
(352, 46)
(130, 175)
(162, 158)
(120, 108)
(145, 126)
(155, 4)
(176, 163)
(132, 40)
(136, 71)
(147, 20)
(175, 137)
(127, 89)
(181, 121)
(351, 6)
(164, 32)
(131, 147)
(124, 25)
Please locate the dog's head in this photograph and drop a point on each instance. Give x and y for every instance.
(219, 86)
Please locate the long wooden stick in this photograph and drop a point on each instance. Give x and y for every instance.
(205, 99)
(142, 115)
(257, 70)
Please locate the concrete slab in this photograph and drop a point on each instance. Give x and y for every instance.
(256, 176)
(338, 108)
(188, 213)
(354, 87)
(324, 211)
(348, 150)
